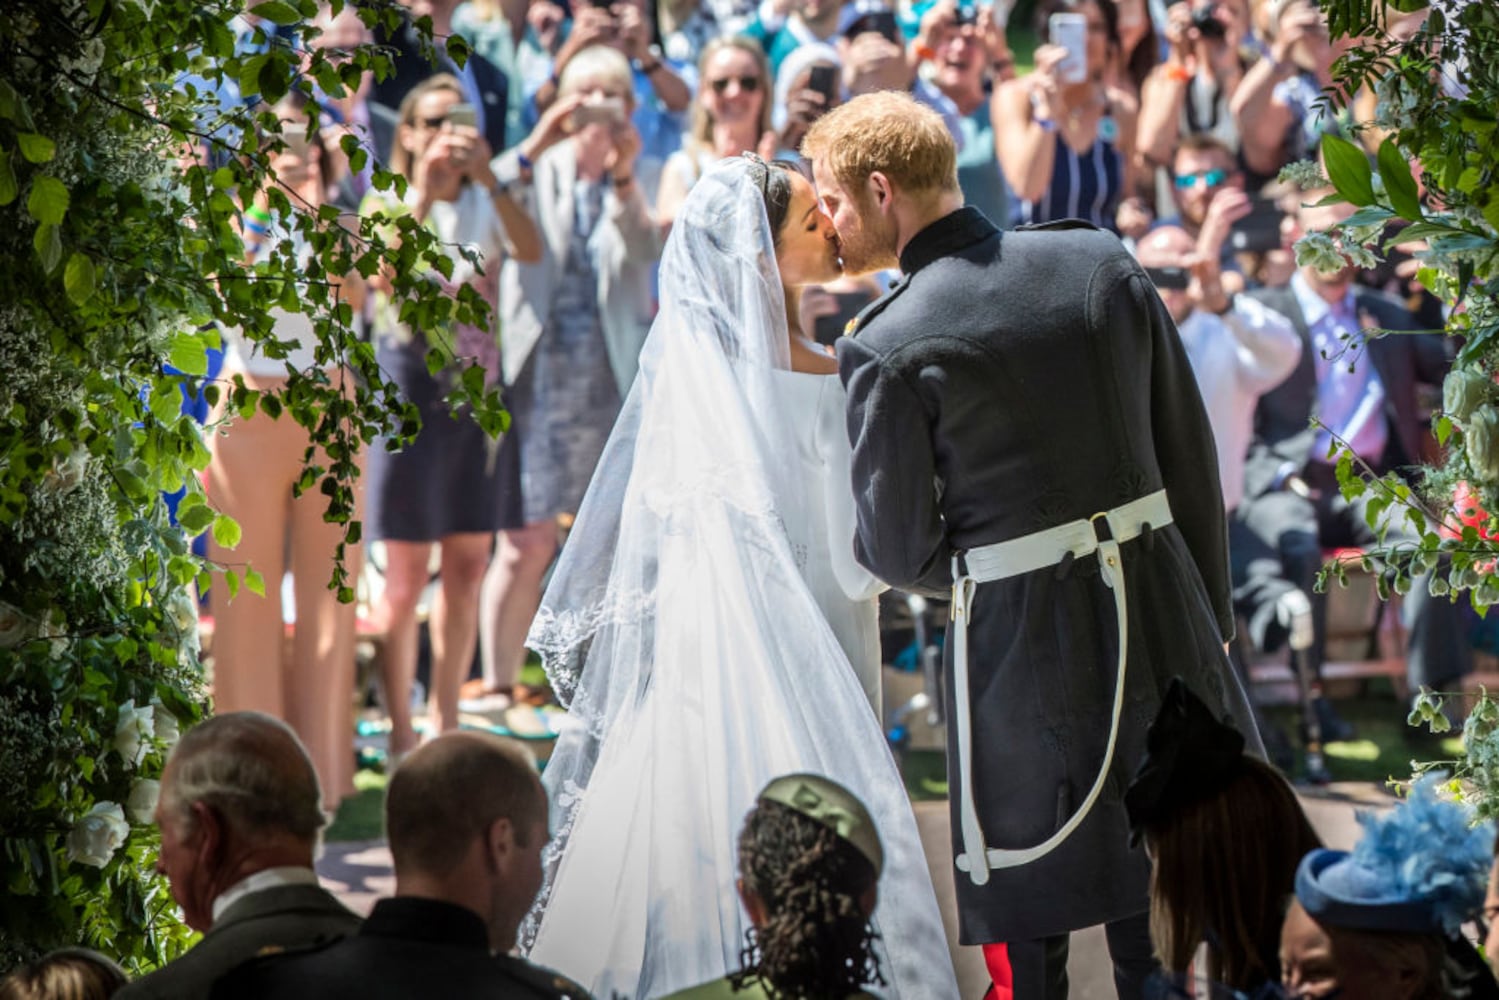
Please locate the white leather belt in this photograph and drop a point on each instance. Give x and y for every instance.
(1013, 558)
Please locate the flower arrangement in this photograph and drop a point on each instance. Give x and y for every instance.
(120, 190)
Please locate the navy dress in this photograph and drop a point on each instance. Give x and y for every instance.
(1084, 185)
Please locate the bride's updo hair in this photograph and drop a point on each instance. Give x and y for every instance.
(774, 181)
(816, 942)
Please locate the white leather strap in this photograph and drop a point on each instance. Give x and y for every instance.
(1013, 558)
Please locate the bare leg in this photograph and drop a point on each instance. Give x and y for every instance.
(405, 578)
(454, 622)
(511, 594)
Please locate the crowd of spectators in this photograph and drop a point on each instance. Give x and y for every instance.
(561, 151)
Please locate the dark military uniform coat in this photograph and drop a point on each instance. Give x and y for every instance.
(1009, 383)
(283, 917)
(409, 947)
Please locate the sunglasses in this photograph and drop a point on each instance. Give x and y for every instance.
(433, 123)
(747, 84)
(1212, 178)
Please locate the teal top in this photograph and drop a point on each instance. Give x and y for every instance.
(979, 174)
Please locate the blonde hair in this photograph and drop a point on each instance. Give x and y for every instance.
(597, 62)
(400, 156)
(702, 119)
(889, 132)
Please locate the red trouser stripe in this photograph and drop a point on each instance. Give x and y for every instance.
(997, 958)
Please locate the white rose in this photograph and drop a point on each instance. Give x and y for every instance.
(183, 611)
(167, 729)
(96, 837)
(66, 475)
(142, 802)
(135, 725)
(12, 626)
(56, 636)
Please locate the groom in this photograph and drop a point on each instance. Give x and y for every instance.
(1028, 437)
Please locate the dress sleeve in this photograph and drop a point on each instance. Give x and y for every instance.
(857, 583)
(900, 536)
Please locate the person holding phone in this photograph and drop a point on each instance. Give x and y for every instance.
(574, 320)
(966, 48)
(730, 116)
(808, 85)
(443, 489)
(1064, 133)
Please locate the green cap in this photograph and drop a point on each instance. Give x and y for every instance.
(835, 807)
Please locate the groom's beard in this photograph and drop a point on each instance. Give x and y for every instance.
(870, 249)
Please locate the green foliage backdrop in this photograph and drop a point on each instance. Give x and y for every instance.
(121, 256)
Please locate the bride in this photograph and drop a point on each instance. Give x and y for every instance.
(707, 626)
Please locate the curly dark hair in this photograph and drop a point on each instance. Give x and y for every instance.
(817, 943)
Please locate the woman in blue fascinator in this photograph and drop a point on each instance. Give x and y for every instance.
(1386, 919)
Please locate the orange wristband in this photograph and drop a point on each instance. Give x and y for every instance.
(925, 52)
(1178, 72)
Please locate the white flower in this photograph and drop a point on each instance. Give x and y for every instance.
(56, 635)
(183, 611)
(65, 476)
(167, 729)
(131, 731)
(1482, 440)
(96, 837)
(142, 802)
(12, 626)
(1462, 392)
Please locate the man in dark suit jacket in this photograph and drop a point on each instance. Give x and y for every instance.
(1293, 508)
(467, 818)
(1028, 432)
(484, 83)
(239, 813)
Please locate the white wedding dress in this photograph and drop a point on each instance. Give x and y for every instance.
(700, 627)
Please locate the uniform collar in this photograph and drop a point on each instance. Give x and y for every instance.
(413, 918)
(266, 878)
(949, 234)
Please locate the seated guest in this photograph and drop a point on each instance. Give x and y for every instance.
(1386, 920)
(809, 863)
(65, 974)
(466, 818)
(1225, 833)
(239, 812)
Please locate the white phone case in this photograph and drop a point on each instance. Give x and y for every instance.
(1070, 31)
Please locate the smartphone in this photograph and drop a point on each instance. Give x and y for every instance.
(879, 22)
(463, 114)
(1070, 31)
(1259, 230)
(609, 111)
(824, 80)
(1169, 279)
(967, 14)
(827, 329)
(294, 134)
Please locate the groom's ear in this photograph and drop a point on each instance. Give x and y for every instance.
(881, 191)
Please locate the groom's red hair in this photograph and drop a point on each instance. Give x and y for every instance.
(889, 132)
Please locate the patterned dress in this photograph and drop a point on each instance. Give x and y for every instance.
(566, 398)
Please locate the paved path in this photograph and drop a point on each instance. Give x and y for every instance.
(359, 873)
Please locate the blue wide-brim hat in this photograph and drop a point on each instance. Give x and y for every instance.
(1338, 891)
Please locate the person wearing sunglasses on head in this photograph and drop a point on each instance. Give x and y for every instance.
(731, 115)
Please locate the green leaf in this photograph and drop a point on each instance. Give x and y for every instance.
(8, 188)
(187, 353)
(48, 202)
(36, 148)
(79, 282)
(1348, 169)
(1399, 182)
(226, 533)
(276, 12)
(435, 361)
(10, 101)
(48, 243)
(255, 582)
(195, 520)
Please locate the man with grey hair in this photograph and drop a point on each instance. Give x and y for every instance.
(239, 815)
(466, 818)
